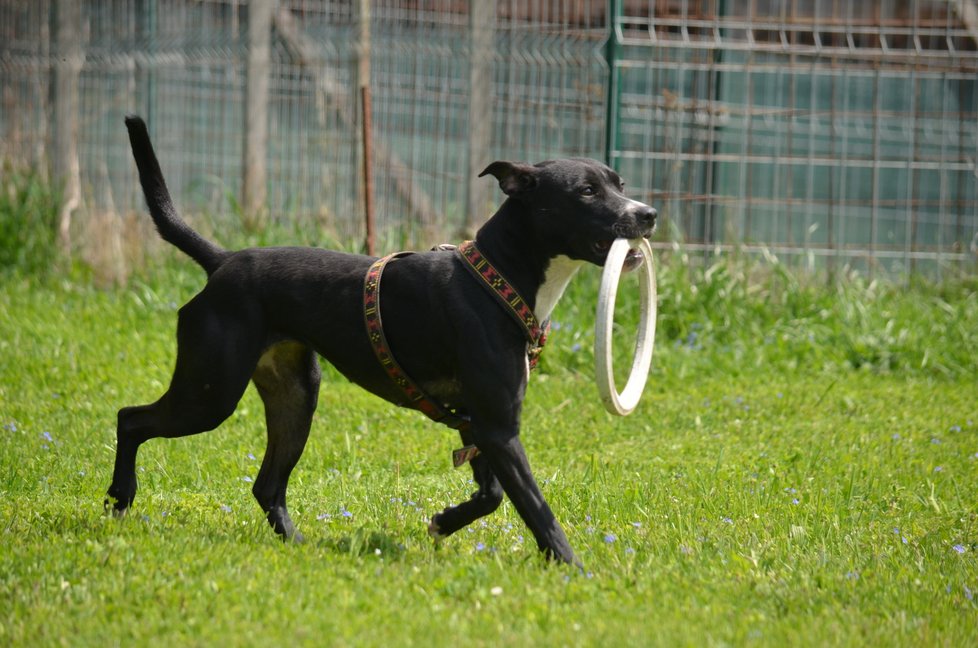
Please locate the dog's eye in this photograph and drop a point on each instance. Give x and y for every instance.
(587, 190)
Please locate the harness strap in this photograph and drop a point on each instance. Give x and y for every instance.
(503, 291)
(416, 398)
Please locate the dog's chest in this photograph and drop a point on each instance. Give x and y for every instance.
(559, 273)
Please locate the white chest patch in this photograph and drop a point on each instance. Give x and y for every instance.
(561, 270)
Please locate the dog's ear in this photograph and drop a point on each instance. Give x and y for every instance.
(514, 178)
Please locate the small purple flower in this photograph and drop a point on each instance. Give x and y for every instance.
(576, 347)
(225, 508)
(955, 428)
(480, 546)
(683, 549)
(726, 520)
(610, 537)
(959, 548)
(896, 436)
(852, 575)
(795, 501)
(938, 468)
(629, 551)
(251, 457)
(323, 516)
(935, 441)
(10, 427)
(247, 479)
(637, 525)
(346, 514)
(968, 594)
(46, 436)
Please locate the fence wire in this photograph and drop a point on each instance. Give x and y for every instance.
(833, 133)
(839, 133)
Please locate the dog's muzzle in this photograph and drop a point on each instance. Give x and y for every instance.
(638, 221)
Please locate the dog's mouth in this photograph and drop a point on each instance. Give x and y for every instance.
(633, 260)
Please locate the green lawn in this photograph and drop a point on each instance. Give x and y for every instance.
(802, 470)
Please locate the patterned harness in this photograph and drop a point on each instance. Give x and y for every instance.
(498, 286)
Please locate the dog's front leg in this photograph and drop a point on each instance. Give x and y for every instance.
(483, 502)
(510, 465)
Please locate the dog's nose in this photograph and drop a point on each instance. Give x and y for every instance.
(646, 215)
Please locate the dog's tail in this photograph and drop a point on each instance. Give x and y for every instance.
(172, 228)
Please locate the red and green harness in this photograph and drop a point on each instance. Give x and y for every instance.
(504, 293)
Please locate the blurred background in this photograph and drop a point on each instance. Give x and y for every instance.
(835, 135)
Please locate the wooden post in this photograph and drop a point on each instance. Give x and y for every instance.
(68, 48)
(482, 23)
(367, 126)
(254, 186)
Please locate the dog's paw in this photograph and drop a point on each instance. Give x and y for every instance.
(113, 506)
(435, 531)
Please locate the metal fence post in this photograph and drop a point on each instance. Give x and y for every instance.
(611, 54)
(366, 125)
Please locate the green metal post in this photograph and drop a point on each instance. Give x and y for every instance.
(612, 50)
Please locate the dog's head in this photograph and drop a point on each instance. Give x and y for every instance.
(578, 206)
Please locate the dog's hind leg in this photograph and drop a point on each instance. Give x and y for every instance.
(482, 502)
(216, 356)
(287, 378)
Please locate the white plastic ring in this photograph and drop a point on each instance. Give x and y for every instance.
(623, 403)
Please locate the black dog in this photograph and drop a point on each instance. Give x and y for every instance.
(265, 313)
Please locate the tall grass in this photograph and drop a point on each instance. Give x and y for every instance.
(29, 206)
(741, 314)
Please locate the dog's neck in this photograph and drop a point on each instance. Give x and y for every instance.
(510, 244)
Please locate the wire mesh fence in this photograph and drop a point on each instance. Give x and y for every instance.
(832, 133)
(840, 133)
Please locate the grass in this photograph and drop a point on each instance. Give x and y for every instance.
(29, 207)
(801, 471)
